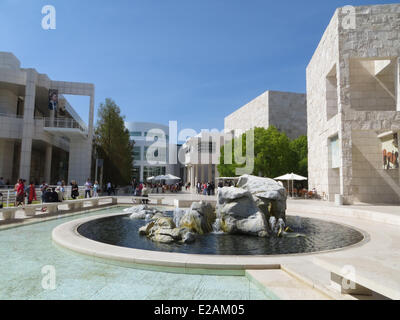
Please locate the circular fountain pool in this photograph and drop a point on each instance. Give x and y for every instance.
(318, 235)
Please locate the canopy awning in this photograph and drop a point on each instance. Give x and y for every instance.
(291, 176)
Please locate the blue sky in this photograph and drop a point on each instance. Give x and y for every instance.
(190, 61)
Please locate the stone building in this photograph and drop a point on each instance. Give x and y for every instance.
(287, 111)
(201, 156)
(353, 106)
(37, 143)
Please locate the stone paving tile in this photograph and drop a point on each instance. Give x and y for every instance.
(25, 250)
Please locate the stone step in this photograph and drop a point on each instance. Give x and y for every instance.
(283, 285)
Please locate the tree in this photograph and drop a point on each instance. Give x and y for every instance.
(273, 155)
(300, 147)
(113, 144)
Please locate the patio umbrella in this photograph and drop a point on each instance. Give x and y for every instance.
(167, 177)
(171, 177)
(291, 177)
(150, 178)
(161, 177)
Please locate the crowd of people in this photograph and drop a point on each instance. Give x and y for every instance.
(26, 193)
(205, 188)
(140, 188)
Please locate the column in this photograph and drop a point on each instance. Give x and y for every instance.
(192, 183)
(202, 172)
(47, 165)
(28, 127)
(209, 173)
(397, 86)
(141, 173)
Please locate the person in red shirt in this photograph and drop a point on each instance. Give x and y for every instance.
(31, 193)
(20, 193)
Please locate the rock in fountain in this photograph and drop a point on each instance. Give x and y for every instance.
(256, 207)
(164, 230)
(199, 218)
(182, 227)
(143, 212)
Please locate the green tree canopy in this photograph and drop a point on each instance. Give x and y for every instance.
(113, 144)
(274, 154)
(300, 146)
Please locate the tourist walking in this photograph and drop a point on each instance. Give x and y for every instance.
(74, 190)
(20, 199)
(145, 193)
(88, 187)
(43, 188)
(96, 189)
(62, 189)
(31, 192)
(109, 188)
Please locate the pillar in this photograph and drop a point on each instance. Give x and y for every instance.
(28, 127)
(141, 173)
(47, 165)
(192, 183)
(397, 86)
(209, 173)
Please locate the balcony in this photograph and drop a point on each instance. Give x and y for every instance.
(66, 127)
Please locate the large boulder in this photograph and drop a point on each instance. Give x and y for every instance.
(164, 230)
(142, 212)
(270, 196)
(199, 218)
(237, 212)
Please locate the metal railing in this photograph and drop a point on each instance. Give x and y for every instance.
(10, 115)
(67, 123)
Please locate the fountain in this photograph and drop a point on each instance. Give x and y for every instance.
(256, 207)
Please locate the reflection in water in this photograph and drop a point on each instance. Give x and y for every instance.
(319, 235)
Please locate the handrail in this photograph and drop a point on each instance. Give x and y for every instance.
(11, 115)
(63, 123)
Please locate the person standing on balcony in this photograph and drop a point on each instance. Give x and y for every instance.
(88, 187)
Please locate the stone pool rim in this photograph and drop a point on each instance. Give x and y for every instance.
(67, 236)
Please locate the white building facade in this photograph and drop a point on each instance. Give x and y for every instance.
(202, 155)
(353, 107)
(152, 151)
(36, 143)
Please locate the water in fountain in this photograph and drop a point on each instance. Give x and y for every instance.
(217, 226)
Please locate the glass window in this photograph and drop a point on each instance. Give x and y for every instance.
(136, 173)
(137, 155)
(153, 172)
(135, 134)
(206, 147)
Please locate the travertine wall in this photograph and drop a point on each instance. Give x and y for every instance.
(253, 114)
(284, 110)
(376, 36)
(320, 128)
(288, 112)
(371, 183)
